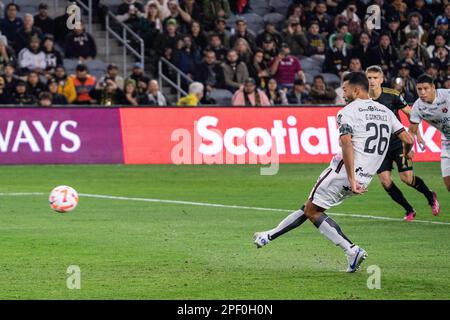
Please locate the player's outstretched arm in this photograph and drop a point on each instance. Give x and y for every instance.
(407, 112)
(349, 162)
(408, 142)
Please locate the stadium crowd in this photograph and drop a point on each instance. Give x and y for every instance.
(297, 57)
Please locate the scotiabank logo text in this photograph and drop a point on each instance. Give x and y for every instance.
(15, 136)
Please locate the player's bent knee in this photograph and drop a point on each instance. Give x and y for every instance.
(406, 179)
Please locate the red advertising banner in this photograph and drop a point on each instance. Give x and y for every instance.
(240, 135)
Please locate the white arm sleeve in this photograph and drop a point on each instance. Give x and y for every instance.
(345, 122)
(415, 115)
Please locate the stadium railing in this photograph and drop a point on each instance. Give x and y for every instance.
(179, 75)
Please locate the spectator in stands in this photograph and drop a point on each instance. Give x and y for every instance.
(215, 44)
(132, 18)
(20, 96)
(221, 30)
(438, 42)
(199, 37)
(321, 93)
(26, 32)
(65, 84)
(210, 73)
(154, 96)
(414, 66)
(11, 23)
(45, 99)
(150, 25)
(105, 93)
(294, 36)
(235, 71)
(142, 85)
(163, 9)
(244, 50)
(320, 15)
(316, 42)
(441, 59)
(350, 15)
(405, 84)
(61, 29)
(182, 18)
(342, 31)
(128, 97)
(34, 84)
(84, 83)
(363, 50)
(241, 31)
(53, 88)
(4, 95)
(137, 73)
(298, 94)
(385, 55)
(337, 57)
(112, 72)
(269, 48)
(187, 56)
(259, 69)
(441, 28)
(80, 45)
(414, 25)
(32, 58)
(423, 11)
(340, 90)
(215, 9)
(355, 65)
(43, 21)
(192, 9)
(53, 57)
(276, 95)
(196, 90)
(249, 96)
(269, 31)
(10, 78)
(285, 67)
(396, 34)
(420, 51)
(124, 9)
(7, 54)
(169, 38)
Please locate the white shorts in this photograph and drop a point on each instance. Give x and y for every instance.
(332, 186)
(445, 158)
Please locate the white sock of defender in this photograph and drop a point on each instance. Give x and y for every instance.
(292, 221)
(331, 230)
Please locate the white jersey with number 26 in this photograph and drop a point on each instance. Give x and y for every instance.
(371, 125)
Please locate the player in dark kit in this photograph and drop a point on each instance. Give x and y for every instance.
(394, 101)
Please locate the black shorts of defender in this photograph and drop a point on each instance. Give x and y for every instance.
(395, 155)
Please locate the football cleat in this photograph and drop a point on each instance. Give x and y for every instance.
(261, 239)
(435, 205)
(355, 258)
(410, 216)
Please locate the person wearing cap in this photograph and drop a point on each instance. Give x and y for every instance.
(337, 57)
(128, 96)
(26, 32)
(393, 29)
(105, 93)
(43, 21)
(284, 68)
(409, 58)
(220, 29)
(11, 22)
(441, 58)
(79, 44)
(32, 57)
(298, 94)
(215, 44)
(177, 13)
(124, 9)
(324, 20)
(235, 72)
(250, 96)
(137, 73)
(65, 84)
(167, 39)
(241, 31)
(294, 36)
(269, 30)
(445, 14)
(442, 25)
(112, 72)
(420, 52)
(57, 98)
(53, 57)
(84, 84)
(196, 90)
(21, 97)
(214, 9)
(269, 48)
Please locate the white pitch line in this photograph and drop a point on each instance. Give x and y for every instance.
(206, 204)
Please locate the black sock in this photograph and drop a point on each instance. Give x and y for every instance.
(420, 186)
(398, 197)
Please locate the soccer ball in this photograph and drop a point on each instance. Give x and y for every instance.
(63, 199)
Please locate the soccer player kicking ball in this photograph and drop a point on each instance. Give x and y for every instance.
(365, 127)
(433, 106)
(395, 102)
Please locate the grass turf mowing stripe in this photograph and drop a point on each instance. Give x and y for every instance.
(205, 204)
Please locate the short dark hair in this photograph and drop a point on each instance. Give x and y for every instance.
(359, 79)
(425, 78)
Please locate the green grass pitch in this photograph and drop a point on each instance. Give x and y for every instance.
(148, 250)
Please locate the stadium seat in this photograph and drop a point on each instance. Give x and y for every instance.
(223, 97)
(280, 6)
(331, 79)
(254, 22)
(276, 18)
(260, 7)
